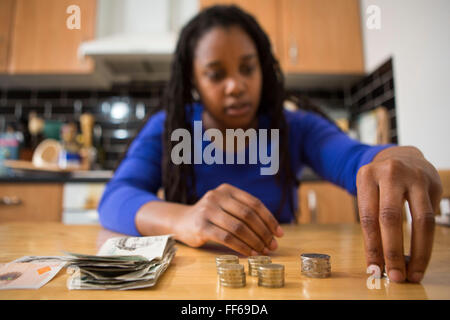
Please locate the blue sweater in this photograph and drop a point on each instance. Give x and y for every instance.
(313, 141)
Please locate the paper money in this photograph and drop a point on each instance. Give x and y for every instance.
(20, 274)
(147, 247)
(85, 278)
(122, 263)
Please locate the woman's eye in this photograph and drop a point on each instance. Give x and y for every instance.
(247, 70)
(215, 75)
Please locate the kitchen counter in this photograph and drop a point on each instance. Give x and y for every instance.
(192, 273)
(101, 176)
(8, 175)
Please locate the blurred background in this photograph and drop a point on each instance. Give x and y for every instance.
(78, 78)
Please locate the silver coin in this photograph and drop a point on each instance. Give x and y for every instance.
(233, 285)
(317, 274)
(232, 277)
(315, 256)
(271, 285)
(271, 267)
(227, 259)
(232, 281)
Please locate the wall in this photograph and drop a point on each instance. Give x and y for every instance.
(415, 33)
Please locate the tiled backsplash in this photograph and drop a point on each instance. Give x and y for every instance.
(120, 112)
(377, 89)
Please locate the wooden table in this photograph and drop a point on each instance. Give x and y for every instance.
(192, 274)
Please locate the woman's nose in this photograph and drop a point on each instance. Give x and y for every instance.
(235, 86)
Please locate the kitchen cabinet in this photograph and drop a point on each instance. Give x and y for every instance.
(445, 180)
(31, 202)
(6, 15)
(41, 41)
(321, 36)
(324, 202)
(80, 202)
(310, 36)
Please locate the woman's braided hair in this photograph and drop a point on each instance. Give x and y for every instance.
(179, 180)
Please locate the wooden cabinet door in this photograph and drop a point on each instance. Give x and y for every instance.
(41, 41)
(321, 36)
(6, 20)
(266, 13)
(323, 202)
(31, 202)
(445, 180)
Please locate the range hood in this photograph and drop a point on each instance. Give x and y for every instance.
(132, 57)
(135, 39)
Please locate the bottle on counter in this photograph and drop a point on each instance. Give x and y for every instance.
(88, 152)
(101, 153)
(70, 153)
(35, 127)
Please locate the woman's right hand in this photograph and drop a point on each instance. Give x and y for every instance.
(232, 217)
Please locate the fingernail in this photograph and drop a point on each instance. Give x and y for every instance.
(396, 275)
(273, 244)
(416, 277)
(280, 232)
(266, 251)
(254, 253)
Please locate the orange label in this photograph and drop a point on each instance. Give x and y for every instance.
(44, 270)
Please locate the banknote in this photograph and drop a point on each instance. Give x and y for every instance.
(85, 278)
(20, 274)
(148, 247)
(122, 263)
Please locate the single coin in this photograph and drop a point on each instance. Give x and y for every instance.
(271, 267)
(227, 259)
(239, 285)
(232, 282)
(271, 280)
(231, 276)
(270, 285)
(315, 256)
(317, 274)
(231, 266)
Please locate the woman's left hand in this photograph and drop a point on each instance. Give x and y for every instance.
(397, 174)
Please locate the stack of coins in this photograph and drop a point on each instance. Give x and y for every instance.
(315, 265)
(226, 259)
(271, 275)
(231, 275)
(254, 262)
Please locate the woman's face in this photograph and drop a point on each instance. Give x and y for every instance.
(227, 76)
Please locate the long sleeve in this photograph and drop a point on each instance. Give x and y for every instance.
(136, 180)
(332, 154)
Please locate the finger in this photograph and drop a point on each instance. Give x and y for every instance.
(256, 205)
(368, 205)
(422, 232)
(435, 192)
(224, 237)
(238, 228)
(390, 217)
(250, 218)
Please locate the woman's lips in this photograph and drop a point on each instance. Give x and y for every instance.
(238, 110)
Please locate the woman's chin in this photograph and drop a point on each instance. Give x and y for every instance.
(244, 122)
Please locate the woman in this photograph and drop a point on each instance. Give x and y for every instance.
(225, 75)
